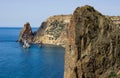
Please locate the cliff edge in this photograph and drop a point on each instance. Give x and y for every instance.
(93, 45)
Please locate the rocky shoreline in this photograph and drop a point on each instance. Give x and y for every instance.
(42, 34)
(91, 40)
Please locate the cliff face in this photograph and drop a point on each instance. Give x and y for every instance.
(26, 33)
(93, 45)
(53, 30)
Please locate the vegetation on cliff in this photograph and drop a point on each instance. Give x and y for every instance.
(53, 30)
(56, 28)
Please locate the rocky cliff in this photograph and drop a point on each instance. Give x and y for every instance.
(26, 33)
(93, 45)
(53, 30)
(92, 42)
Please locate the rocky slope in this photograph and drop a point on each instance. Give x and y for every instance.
(93, 45)
(53, 30)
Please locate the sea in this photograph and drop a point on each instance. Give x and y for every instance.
(34, 62)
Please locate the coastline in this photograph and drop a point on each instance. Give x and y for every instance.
(43, 45)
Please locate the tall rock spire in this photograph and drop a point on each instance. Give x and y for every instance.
(26, 33)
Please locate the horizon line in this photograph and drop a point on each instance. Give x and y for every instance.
(15, 27)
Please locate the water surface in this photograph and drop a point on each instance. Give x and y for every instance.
(35, 62)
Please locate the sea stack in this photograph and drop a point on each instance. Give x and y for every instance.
(26, 33)
(93, 45)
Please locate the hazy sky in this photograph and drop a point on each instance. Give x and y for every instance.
(17, 12)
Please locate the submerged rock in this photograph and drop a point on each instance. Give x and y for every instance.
(26, 33)
(93, 45)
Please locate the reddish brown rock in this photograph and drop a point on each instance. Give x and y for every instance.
(26, 33)
(93, 45)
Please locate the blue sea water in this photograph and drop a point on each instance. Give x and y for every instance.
(35, 62)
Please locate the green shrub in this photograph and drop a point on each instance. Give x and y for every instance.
(114, 75)
(56, 28)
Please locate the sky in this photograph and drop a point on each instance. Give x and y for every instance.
(14, 13)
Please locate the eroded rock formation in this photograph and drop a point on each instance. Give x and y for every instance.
(26, 33)
(93, 45)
